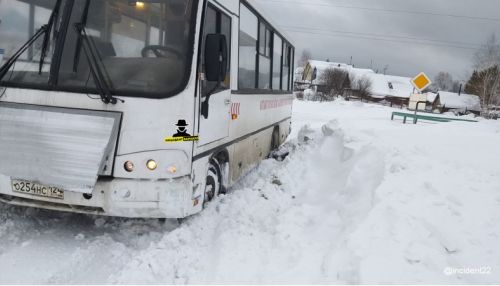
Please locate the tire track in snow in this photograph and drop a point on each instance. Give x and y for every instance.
(46, 247)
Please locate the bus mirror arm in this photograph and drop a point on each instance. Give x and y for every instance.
(215, 65)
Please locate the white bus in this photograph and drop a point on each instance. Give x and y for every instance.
(137, 108)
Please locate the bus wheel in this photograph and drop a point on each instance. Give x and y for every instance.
(213, 185)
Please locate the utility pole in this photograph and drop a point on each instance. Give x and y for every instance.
(350, 63)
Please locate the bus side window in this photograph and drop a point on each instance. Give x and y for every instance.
(225, 30)
(285, 83)
(216, 22)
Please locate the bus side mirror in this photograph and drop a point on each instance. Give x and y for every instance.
(215, 58)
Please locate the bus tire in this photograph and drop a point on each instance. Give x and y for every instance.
(214, 185)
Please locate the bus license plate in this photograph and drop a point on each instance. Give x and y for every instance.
(34, 189)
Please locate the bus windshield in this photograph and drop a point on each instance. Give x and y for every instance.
(143, 48)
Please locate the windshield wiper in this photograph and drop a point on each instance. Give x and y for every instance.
(12, 60)
(83, 22)
(46, 39)
(95, 69)
(45, 29)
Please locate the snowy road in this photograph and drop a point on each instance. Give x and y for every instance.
(361, 200)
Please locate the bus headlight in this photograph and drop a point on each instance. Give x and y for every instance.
(129, 166)
(152, 165)
(172, 169)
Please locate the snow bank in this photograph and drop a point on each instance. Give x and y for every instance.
(360, 199)
(282, 223)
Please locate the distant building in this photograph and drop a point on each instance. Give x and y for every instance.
(314, 70)
(449, 101)
(395, 90)
(432, 102)
(300, 84)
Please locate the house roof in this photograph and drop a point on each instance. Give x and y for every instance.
(299, 74)
(321, 67)
(299, 70)
(402, 86)
(381, 84)
(325, 65)
(463, 101)
(431, 97)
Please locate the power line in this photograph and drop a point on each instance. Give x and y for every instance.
(476, 46)
(386, 10)
(380, 39)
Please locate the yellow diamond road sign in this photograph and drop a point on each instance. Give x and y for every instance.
(421, 82)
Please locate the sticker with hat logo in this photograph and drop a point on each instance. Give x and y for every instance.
(181, 134)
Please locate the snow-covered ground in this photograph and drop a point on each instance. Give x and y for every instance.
(360, 199)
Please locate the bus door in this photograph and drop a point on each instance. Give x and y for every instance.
(214, 124)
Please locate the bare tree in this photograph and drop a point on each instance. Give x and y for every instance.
(488, 55)
(363, 86)
(457, 86)
(333, 81)
(443, 82)
(487, 72)
(304, 58)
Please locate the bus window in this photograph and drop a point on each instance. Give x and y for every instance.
(216, 22)
(15, 30)
(277, 47)
(285, 84)
(13, 33)
(143, 50)
(292, 57)
(225, 29)
(264, 57)
(128, 37)
(248, 46)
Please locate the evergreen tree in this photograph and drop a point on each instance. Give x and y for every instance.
(485, 84)
(472, 86)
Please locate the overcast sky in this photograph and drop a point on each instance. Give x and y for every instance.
(407, 42)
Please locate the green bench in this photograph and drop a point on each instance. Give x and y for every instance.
(416, 117)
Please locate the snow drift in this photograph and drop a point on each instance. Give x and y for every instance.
(360, 199)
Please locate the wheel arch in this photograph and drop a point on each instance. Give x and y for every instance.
(222, 156)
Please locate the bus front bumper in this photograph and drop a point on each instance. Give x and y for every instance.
(171, 198)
